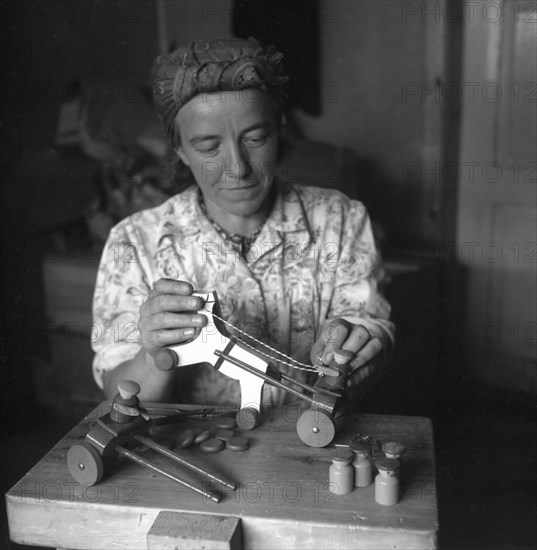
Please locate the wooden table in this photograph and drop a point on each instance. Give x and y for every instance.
(283, 499)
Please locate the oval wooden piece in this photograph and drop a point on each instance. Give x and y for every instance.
(184, 439)
(203, 436)
(316, 428)
(85, 464)
(238, 444)
(212, 445)
(224, 435)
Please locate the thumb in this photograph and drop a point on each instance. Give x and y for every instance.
(333, 335)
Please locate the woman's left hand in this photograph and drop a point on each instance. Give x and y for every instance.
(339, 333)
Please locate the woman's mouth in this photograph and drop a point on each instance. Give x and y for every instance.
(244, 187)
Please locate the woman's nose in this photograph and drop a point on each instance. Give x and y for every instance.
(237, 164)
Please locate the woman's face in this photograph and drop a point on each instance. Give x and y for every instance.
(229, 141)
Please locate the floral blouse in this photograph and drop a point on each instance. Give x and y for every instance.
(313, 260)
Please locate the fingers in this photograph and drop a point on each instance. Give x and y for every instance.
(333, 336)
(370, 350)
(172, 295)
(169, 315)
(168, 320)
(339, 333)
(357, 339)
(158, 339)
(360, 374)
(173, 302)
(172, 286)
(363, 363)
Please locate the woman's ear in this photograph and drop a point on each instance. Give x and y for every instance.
(181, 154)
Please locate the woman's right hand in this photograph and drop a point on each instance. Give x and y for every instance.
(169, 315)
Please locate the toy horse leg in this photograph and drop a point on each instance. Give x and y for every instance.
(251, 386)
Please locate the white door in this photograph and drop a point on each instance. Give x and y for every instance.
(496, 231)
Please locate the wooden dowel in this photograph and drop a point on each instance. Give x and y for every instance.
(266, 377)
(147, 464)
(174, 456)
(299, 384)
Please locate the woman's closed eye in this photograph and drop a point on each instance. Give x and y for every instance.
(256, 140)
(207, 147)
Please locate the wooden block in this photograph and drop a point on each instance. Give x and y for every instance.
(180, 531)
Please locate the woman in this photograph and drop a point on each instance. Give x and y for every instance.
(294, 267)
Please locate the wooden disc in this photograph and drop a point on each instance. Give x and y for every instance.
(212, 445)
(85, 464)
(226, 423)
(237, 444)
(316, 428)
(184, 439)
(248, 418)
(203, 436)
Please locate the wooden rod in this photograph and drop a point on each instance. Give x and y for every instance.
(174, 456)
(147, 464)
(266, 377)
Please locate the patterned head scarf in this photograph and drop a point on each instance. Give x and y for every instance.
(218, 65)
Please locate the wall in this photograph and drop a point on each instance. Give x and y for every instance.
(377, 59)
(368, 52)
(52, 42)
(45, 44)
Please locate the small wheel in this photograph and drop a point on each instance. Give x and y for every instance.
(85, 464)
(316, 428)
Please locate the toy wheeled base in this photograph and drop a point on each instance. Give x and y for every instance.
(316, 428)
(85, 464)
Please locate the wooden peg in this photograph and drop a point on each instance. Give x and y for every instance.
(125, 407)
(128, 389)
(340, 362)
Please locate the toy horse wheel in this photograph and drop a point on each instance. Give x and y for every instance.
(316, 428)
(85, 464)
